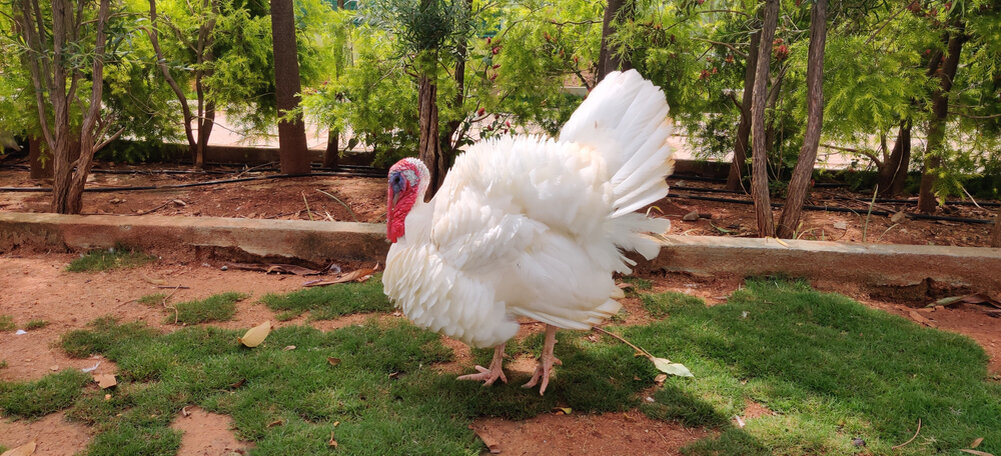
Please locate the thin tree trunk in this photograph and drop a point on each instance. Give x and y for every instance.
(429, 147)
(759, 178)
(893, 170)
(331, 156)
(996, 232)
(178, 92)
(293, 152)
(936, 126)
(609, 59)
(803, 172)
(39, 168)
(738, 167)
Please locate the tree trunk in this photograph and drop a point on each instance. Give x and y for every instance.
(161, 61)
(803, 172)
(936, 126)
(429, 148)
(293, 152)
(609, 59)
(759, 178)
(893, 171)
(996, 232)
(39, 168)
(738, 167)
(331, 156)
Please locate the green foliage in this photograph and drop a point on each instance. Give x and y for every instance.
(105, 260)
(332, 301)
(35, 399)
(7, 323)
(220, 307)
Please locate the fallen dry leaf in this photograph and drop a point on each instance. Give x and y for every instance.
(976, 452)
(256, 335)
(289, 348)
(921, 319)
(332, 442)
(276, 268)
(660, 379)
(563, 410)
(105, 381)
(24, 450)
(275, 423)
(977, 442)
(185, 412)
(155, 281)
(358, 275)
(333, 361)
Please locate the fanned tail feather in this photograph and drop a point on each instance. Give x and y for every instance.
(625, 120)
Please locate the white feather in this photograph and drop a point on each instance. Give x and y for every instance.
(533, 227)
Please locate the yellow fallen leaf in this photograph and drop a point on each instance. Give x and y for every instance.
(563, 410)
(976, 452)
(24, 450)
(256, 335)
(105, 381)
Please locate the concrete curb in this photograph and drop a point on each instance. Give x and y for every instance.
(319, 242)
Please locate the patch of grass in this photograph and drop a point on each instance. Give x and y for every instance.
(7, 323)
(831, 368)
(109, 259)
(3, 363)
(660, 305)
(152, 300)
(34, 399)
(220, 307)
(330, 302)
(36, 324)
(638, 284)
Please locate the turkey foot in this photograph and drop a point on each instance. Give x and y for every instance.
(546, 362)
(489, 376)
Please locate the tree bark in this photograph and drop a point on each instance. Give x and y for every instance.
(609, 58)
(803, 172)
(759, 178)
(39, 168)
(738, 167)
(429, 147)
(293, 153)
(893, 170)
(331, 156)
(936, 126)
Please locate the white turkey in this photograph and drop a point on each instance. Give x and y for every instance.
(526, 226)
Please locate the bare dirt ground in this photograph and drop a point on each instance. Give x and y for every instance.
(38, 288)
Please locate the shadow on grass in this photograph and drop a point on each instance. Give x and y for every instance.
(832, 369)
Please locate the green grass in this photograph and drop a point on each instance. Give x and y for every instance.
(830, 368)
(660, 305)
(109, 259)
(7, 323)
(330, 302)
(35, 399)
(36, 324)
(220, 307)
(155, 299)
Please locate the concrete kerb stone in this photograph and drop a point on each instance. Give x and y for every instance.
(318, 242)
(315, 242)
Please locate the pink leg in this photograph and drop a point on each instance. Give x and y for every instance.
(546, 361)
(488, 376)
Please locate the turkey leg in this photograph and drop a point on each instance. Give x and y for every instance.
(546, 361)
(488, 376)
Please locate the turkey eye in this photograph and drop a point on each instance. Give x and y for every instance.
(396, 183)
